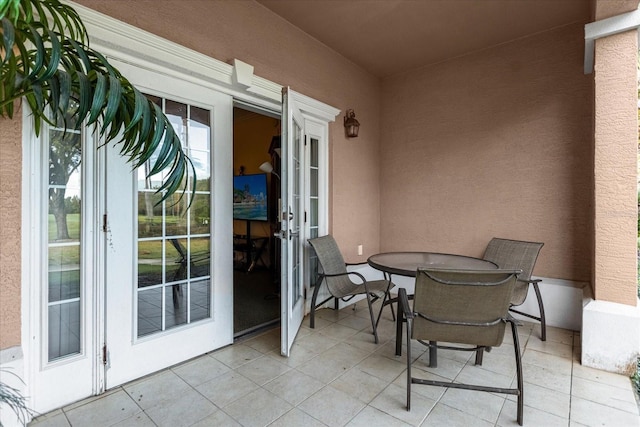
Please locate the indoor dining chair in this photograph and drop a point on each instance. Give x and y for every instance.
(521, 255)
(468, 310)
(339, 281)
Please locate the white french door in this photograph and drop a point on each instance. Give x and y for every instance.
(168, 269)
(293, 232)
(61, 245)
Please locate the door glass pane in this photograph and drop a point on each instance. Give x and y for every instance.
(313, 208)
(149, 311)
(173, 239)
(297, 214)
(64, 228)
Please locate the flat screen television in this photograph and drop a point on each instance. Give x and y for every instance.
(250, 197)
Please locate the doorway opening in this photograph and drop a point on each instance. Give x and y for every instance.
(256, 195)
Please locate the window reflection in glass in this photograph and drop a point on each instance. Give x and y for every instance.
(174, 240)
(64, 229)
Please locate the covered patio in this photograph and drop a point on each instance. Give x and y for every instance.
(527, 134)
(337, 376)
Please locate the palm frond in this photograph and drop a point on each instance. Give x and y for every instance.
(46, 59)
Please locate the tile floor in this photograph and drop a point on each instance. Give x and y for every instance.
(337, 376)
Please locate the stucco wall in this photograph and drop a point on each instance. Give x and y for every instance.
(616, 139)
(495, 143)
(284, 54)
(10, 211)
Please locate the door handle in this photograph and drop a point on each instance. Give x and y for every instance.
(282, 234)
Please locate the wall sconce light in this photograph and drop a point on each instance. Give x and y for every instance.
(351, 125)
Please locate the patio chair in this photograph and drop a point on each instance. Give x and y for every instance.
(519, 255)
(338, 280)
(468, 309)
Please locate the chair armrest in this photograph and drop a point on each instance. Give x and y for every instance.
(403, 303)
(346, 274)
(530, 281)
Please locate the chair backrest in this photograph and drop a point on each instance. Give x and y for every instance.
(331, 262)
(462, 306)
(515, 254)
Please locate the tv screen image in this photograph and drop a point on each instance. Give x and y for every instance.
(250, 197)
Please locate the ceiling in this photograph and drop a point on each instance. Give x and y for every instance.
(386, 37)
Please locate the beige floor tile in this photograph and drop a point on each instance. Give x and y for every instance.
(112, 409)
(316, 342)
(531, 417)
(603, 377)
(266, 342)
(265, 406)
(477, 375)
(51, 419)
(447, 368)
(589, 413)
(158, 389)
(338, 332)
(364, 340)
(551, 347)
(356, 322)
(501, 360)
(332, 406)
(564, 336)
(332, 315)
(182, 411)
(443, 415)
(369, 417)
(430, 392)
(382, 367)
(139, 420)
(393, 401)
(218, 418)
(296, 418)
(236, 355)
(200, 370)
(486, 406)
(359, 384)
(618, 398)
(320, 323)
(297, 356)
(226, 388)
(546, 377)
(332, 363)
(544, 399)
(294, 386)
(557, 364)
(263, 370)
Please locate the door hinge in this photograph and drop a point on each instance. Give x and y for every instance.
(104, 354)
(305, 217)
(305, 140)
(104, 223)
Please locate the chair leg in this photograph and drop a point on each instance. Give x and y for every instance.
(408, 361)
(373, 319)
(479, 354)
(516, 344)
(312, 317)
(543, 322)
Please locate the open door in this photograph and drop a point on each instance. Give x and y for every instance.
(291, 211)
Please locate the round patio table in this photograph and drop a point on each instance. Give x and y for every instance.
(407, 264)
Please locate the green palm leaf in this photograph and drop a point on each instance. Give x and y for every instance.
(45, 59)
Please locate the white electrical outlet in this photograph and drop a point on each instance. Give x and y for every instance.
(359, 249)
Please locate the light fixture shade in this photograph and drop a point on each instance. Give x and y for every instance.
(351, 125)
(266, 167)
